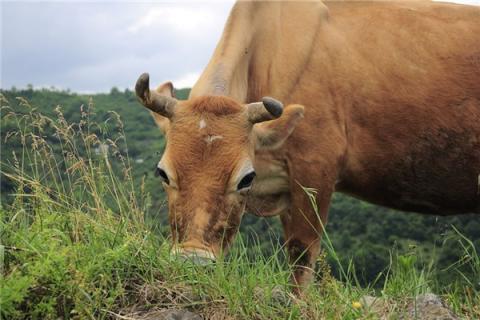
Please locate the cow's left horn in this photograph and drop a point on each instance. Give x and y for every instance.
(153, 100)
(268, 109)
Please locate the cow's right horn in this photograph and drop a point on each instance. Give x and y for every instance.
(268, 109)
(153, 100)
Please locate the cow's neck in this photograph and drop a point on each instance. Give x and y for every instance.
(260, 52)
(227, 72)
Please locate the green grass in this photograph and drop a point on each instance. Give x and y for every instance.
(76, 244)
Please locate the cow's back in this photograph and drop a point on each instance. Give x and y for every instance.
(406, 78)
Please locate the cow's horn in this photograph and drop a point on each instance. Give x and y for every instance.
(268, 109)
(153, 100)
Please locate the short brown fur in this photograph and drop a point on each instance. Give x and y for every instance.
(216, 105)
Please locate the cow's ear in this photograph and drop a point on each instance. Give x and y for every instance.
(272, 134)
(165, 89)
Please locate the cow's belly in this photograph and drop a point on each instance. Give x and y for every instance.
(434, 176)
(412, 198)
(437, 195)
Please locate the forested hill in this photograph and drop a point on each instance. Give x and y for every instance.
(361, 232)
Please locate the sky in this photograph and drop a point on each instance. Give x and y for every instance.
(92, 46)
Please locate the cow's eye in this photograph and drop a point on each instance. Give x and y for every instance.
(246, 181)
(161, 173)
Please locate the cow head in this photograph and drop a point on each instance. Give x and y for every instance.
(208, 165)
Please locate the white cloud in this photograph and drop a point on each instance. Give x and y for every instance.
(179, 19)
(93, 46)
(187, 80)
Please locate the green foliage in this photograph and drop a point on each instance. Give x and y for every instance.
(108, 112)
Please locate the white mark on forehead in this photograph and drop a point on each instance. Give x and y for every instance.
(210, 139)
(202, 124)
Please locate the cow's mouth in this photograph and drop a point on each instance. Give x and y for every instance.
(197, 256)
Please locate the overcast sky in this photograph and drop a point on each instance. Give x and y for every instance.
(91, 46)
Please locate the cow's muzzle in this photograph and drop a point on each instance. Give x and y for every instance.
(196, 256)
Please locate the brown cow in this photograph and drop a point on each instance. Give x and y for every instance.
(392, 115)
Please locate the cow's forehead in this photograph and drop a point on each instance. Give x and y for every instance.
(207, 142)
(210, 135)
(214, 105)
(209, 118)
(206, 135)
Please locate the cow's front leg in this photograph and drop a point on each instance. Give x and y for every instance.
(303, 229)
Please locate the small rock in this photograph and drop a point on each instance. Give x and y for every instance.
(425, 307)
(429, 307)
(429, 299)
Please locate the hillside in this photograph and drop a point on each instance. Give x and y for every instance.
(84, 233)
